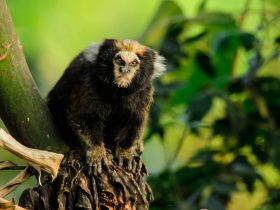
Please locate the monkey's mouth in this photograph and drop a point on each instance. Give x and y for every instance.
(123, 80)
(124, 77)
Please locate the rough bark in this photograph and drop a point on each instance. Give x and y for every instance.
(114, 189)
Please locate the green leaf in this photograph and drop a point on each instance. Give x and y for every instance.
(159, 24)
(171, 48)
(224, 45)
(230, 40)
(196, 37)
(202, 6)
(195, 82)
(216, 19)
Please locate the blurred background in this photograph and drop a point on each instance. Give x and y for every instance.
(213, 140)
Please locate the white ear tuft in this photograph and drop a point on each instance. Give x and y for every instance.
(91, 52)
(159, 65)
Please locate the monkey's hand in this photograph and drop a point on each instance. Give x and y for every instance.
(130, 159)
(96, 157)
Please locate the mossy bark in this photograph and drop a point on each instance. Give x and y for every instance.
(22, 109)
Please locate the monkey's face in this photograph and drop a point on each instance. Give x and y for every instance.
(126, 65)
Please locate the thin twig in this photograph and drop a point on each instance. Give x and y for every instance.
(16, 168)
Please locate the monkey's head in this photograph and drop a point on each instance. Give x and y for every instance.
(125, 63)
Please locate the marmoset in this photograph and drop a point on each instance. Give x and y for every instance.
(103, 98)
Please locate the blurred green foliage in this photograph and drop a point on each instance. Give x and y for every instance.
(222, 84)
(213, 140)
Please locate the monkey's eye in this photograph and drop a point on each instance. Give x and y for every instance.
(134, 63)
(119, 60)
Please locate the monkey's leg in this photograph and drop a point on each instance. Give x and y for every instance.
(130, 148)
(91, 141)
(129, 157)
(96, 157)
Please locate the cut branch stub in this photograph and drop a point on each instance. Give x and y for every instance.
(38, 159)
(115, 188)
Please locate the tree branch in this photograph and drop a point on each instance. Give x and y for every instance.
(21, 107)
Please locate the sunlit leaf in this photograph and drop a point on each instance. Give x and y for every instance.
(195, 37)
(201, 6)
(216, 19)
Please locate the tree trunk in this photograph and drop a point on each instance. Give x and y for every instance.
(22, 109)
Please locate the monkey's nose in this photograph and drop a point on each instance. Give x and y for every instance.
(124, 69)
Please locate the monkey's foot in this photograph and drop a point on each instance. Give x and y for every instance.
(96, 157)
(129, 159)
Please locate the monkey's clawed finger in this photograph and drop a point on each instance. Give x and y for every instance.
(94, 166)
(133, 164)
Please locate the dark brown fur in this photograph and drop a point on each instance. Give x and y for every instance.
(91, 111)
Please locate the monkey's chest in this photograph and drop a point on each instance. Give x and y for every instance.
(118, 125)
